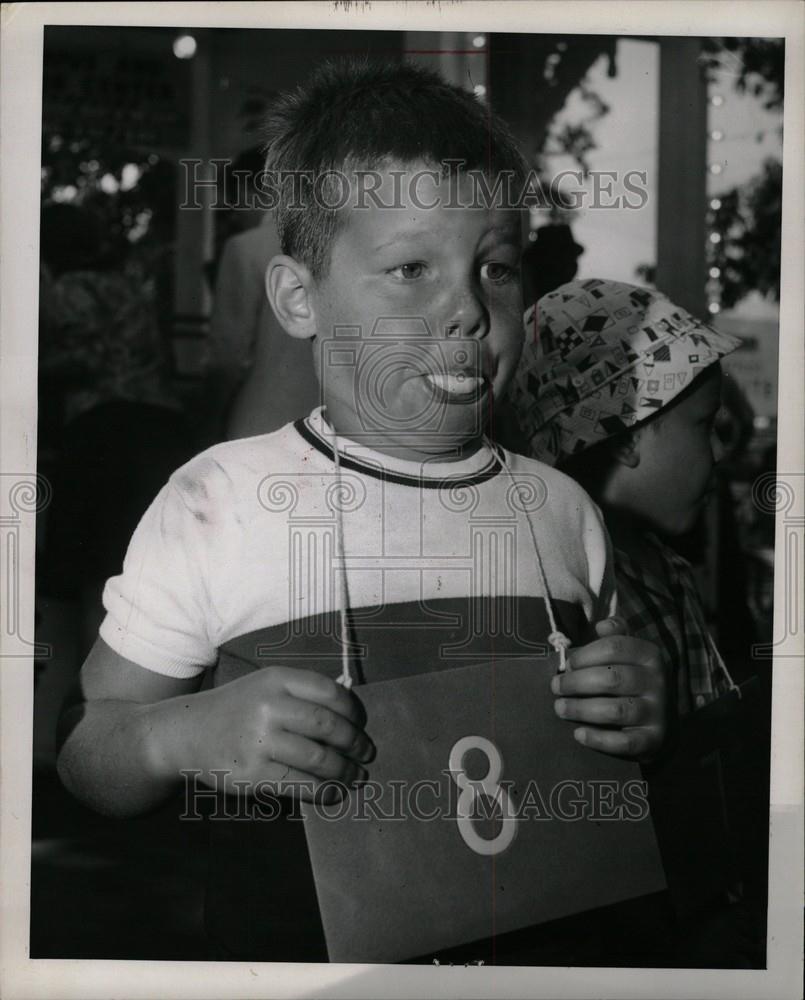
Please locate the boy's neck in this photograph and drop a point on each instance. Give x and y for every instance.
(407, 452)
(626, 530)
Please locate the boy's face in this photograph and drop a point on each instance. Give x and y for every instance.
(675, 473)
(431, 300)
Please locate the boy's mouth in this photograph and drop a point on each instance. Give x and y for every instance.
(459, 386)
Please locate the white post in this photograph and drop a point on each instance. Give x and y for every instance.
(682, 188)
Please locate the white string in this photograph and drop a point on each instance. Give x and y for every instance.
(714, 650)
(345, 677)
(557, 639)
(702, 625)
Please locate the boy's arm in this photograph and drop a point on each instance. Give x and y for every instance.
(133, 732)
(107, 754)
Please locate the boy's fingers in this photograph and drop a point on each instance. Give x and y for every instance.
(603, 711)
(614, 649)
(307, 685)
(634, 743)
(302, 785)
(611, 626)
(618, 679)
(315, 759)
(322, 724)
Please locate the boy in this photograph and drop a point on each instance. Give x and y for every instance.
(620, 388)
(412, 300)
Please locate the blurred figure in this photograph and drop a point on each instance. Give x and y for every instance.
(549, 261)
(98, 339)
(115, 428)
(734, 623)
(260, 378)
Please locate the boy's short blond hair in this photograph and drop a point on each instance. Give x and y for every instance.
(358, 115)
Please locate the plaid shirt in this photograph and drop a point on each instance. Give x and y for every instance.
(666, 609)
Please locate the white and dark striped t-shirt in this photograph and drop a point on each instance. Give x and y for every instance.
(235, 563)
(234, 567)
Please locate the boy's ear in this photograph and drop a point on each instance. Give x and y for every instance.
(627, 450)
(288, 287)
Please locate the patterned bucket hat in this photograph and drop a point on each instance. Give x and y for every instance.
(599, 357)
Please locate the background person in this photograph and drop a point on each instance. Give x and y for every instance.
(620, 388)
(259, 378)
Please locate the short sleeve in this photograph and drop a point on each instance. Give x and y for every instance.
(601, 564)
(608, 595)
(158, 609)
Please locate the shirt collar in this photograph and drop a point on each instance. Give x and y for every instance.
(478, 467)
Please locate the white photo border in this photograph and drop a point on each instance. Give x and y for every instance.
(20, 129)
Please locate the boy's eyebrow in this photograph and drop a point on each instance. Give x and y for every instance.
(506, 233)
(504, 229)
(399, 237)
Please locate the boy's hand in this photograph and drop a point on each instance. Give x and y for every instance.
(616, 686)
(293, 728)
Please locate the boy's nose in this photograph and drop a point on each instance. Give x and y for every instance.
(468, 318)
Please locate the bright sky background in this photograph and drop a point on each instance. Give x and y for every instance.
(616, 241)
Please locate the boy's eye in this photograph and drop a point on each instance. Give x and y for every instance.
(496, 272)
(408, 272)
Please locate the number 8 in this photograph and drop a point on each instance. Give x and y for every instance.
(489, 786)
